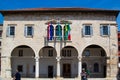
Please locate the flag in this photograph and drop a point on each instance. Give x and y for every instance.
(69, 35)
(48, 32)
(51, 32)
(59, 32)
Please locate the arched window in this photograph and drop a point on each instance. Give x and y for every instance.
(58, 32)
(96, 67)
(50, 32)
(67, 35)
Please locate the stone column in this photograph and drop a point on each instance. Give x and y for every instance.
(36, 67)
(58, 66)
(8, 67)
(79, 67)
(108, 68)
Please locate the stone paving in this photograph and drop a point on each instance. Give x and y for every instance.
(59, 79)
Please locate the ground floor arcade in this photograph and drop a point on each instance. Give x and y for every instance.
(66, 65)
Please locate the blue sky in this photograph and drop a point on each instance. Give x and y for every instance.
(20, 4)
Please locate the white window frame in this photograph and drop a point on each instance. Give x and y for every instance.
(84, 30)
(102, 32)
(8, 32)
(26, 31)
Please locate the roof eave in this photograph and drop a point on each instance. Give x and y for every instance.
(59, 10)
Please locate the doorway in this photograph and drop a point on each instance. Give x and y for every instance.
(50, 71)
(66, 70)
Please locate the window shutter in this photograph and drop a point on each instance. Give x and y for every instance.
(109, 30)
(14, 31)
(83, 30)
(32, 31)
(25, 31)
(101, 30)
(91, 30)
(8, 31)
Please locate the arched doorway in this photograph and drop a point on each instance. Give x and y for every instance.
(94, 61)
(22, 58)
(69, 62)
(47, 62)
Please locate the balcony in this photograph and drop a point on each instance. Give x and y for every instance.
(57, 39)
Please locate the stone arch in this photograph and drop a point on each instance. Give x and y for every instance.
(22, 58)
(41, 52)
(47, 62)
(93, 54)
(69, 62)
(70, 47)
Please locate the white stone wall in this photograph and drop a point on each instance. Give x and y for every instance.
(38, 20)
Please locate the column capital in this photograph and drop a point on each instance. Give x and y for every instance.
(58, 58)
(37, 57)
(79, 58)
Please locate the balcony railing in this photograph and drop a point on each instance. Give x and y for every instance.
(56, 39)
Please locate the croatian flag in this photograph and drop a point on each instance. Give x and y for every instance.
(48, 32)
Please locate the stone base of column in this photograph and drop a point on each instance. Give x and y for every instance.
(59, 78)
(111, 78)
(78, 78)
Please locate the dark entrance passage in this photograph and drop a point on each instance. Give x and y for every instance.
(50, 71)
(104, 71)
(84, 66)
(66, 70)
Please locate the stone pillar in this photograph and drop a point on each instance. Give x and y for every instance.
(58, 66)
(8, 67)
(36, 67)
(79, 67)
(108, 74)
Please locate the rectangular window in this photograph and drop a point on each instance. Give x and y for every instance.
(20, 68)
(69, 53)
(33, 68)
(0, 33)
(0, 43)
(10, 31)
(29, 31)
(50, 53)
(105, 30)
(20, 53)
(66, 53)
(87, 30)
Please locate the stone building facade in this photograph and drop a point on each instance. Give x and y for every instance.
(118, 51)
(59, 43)
(1, 26)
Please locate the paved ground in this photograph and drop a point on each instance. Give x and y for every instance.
(60, 79)
(0, 78)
